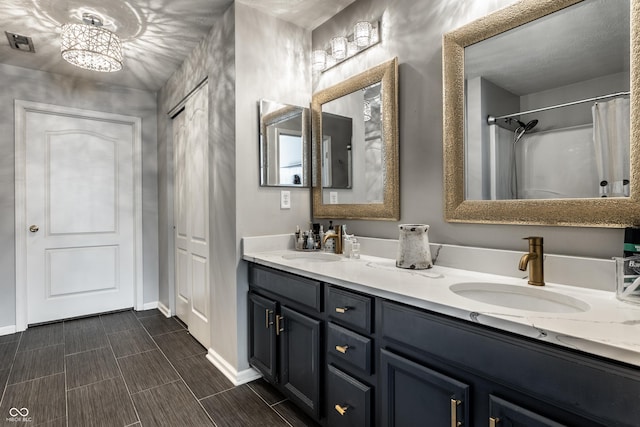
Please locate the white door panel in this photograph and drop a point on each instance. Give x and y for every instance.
(80, 193)
(191, 210)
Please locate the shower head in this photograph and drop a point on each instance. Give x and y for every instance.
(529, 125)
(523, 128)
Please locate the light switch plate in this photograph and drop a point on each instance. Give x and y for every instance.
(285, 199)
(333, 197)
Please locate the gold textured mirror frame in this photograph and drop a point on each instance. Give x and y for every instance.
(387, 74)
(596, 212)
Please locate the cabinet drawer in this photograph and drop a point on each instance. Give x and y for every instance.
(298, 289)
(349, 346)
(504, 413)
(350, 309)
(348, 400)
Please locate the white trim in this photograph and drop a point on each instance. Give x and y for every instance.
(150, 305)
(237, 378)
(8, 330)
(164, 309)
(21, 108)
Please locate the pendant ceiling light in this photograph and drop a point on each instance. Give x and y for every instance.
(90, 46)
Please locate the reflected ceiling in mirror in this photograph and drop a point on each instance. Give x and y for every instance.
(355, 146)
(530, 95)
(284, 145)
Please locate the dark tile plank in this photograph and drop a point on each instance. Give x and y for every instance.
(117, 322)
(42, 336)
(79, 339)
(7, 353)
(60, 422)
(179, 345)
(146, 370)
(170, 405)
(82, 323)
(266, 391)
(240, 406)
(106, 403)
(90, 367)
(147, 313)
(44, 398)
(4, 376)
(10, 338)
(157, 325)
(132, 341)
(201, 376)
(294, 415)
(33, 364)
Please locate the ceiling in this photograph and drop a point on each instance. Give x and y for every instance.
(157, 35)
(579, 43)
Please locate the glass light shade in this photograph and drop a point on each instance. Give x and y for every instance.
(331, 61)
(91, 47)
(339, 47)
(367, 111)
(362, 33)
(352, 48)
(318, 60)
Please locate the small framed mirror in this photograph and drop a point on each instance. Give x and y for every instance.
(355, 147)
(284, 145)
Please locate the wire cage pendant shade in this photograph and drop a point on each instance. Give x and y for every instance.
(91, 47)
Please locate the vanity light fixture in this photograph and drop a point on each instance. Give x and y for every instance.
(367, 110)
(90, 46)
(365, 34)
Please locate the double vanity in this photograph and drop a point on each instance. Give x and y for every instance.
(360, 342)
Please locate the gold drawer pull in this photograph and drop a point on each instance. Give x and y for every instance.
(342, 309)
(267, 323)
(454, 413)
(493, 422)
(341, 409)
(279, 326)
(342, 348)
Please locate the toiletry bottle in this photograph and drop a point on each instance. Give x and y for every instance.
(297, 241)
(301, 242)
(311, 243)
(321, 236)
(355, 248)
(346, 245)
(330, 244)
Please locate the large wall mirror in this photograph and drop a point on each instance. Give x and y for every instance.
(541, 117)
(284, 144)
(355, 147)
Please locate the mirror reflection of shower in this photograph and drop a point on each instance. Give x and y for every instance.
(520, 131)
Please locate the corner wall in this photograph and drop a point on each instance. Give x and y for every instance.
(39, 86)
(412, 31)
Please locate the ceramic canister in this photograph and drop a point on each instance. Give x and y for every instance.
(413, 247)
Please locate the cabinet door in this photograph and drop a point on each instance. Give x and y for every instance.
(414, 395)
(262, 336)
(507, 414)
(300, 359)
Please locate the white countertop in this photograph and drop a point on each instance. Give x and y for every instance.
(609, 328)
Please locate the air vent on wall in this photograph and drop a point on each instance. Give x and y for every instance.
(18, 42)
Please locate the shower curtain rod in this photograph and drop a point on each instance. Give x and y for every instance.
(492, 120)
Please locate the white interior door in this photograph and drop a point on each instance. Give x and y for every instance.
(80, 210)
(191, 210)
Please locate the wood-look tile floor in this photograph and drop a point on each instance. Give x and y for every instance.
(127, 369)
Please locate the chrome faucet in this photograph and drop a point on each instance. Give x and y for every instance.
(337, 236)
(535, 260)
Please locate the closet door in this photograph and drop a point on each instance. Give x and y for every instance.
(191, 210)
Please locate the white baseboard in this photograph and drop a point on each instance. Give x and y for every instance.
(7, 330)
(164, 309)
(237, 378)
(150, 305)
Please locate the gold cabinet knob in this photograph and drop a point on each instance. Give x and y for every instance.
(493, 422)
(34, 228)
(342, 309)
(341, 409)
(342, 348)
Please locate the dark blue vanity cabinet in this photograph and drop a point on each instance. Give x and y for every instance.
(285, 330)
(352, 359)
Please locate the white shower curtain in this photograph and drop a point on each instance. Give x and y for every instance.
(611, 143)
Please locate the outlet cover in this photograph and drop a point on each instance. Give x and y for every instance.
(333, 197)
(285, 199)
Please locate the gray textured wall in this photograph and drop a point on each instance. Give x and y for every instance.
(412, 31)
(37, 86)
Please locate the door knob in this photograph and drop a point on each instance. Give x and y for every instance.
(34, 228)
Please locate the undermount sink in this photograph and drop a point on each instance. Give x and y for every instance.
(523, 298)
(312, 257)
